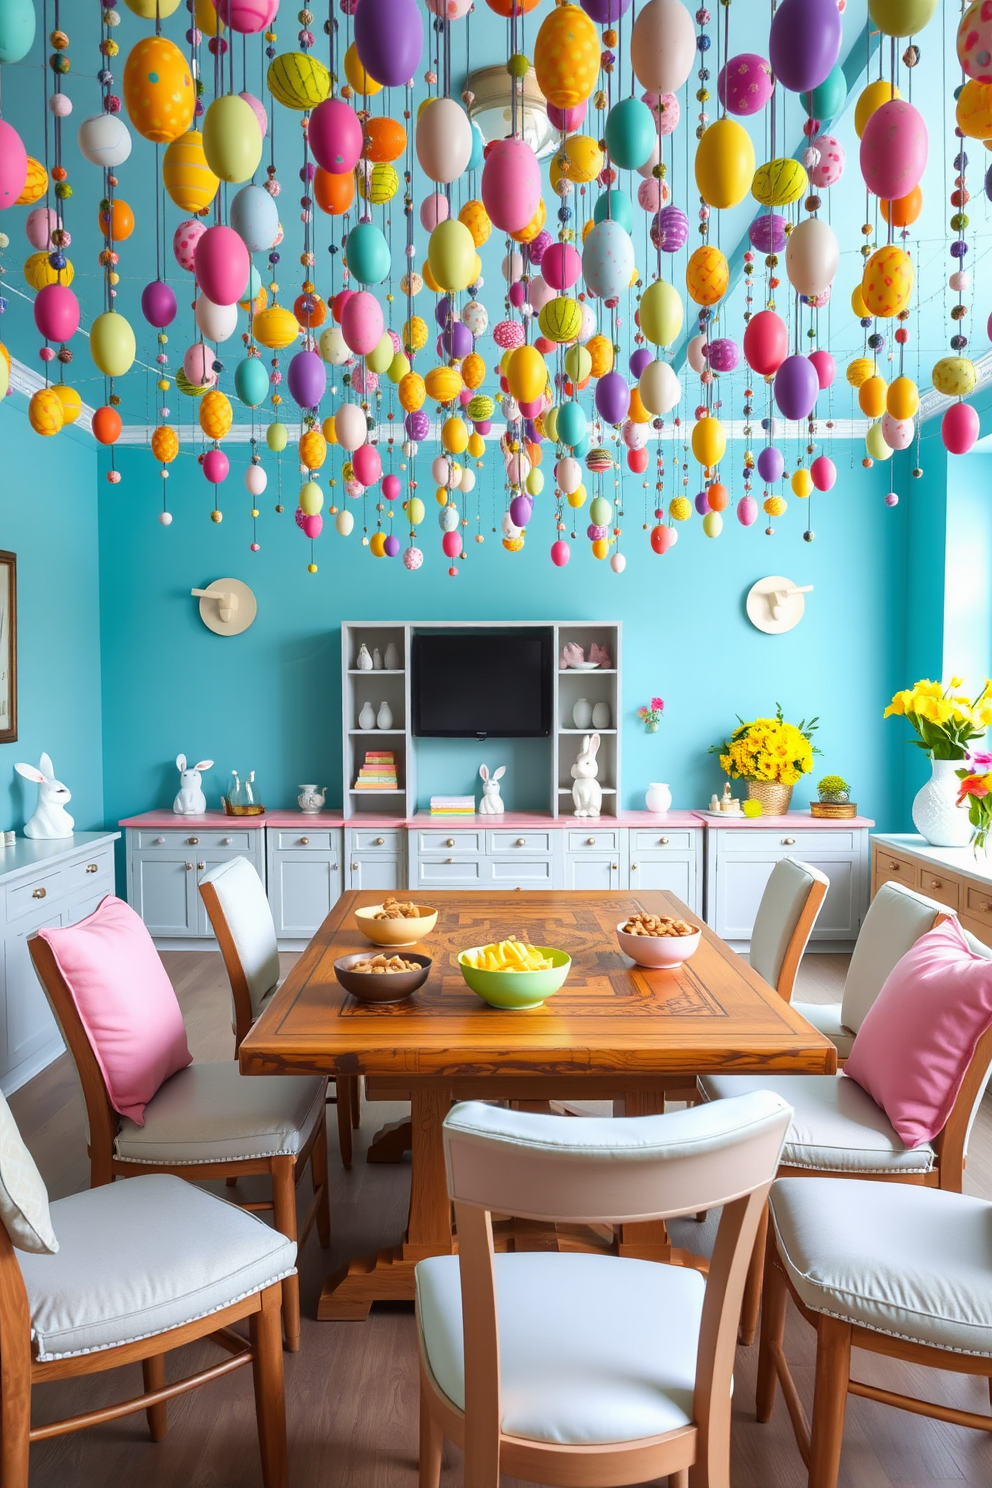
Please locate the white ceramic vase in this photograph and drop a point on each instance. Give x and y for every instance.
(935, 814)
(392, 658)
(658, 798)
(384, 718)
(582, 714)
(366, 718)
(601, 716)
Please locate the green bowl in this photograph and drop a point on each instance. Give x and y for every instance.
(517, 989)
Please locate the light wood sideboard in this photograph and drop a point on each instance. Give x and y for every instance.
(954, 876)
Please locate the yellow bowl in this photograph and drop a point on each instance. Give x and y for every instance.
(400, 932)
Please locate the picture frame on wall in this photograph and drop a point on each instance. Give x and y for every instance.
(8, 647)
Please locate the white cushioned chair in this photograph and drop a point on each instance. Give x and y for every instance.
(787, 914)
(121, 1275)
(582, 1368)
(239, 912)
(208, 1121)
(889, 1268)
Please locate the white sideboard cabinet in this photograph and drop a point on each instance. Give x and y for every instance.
(167, 856)
(42, 885)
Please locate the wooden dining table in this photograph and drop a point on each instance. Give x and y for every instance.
(615, 1031)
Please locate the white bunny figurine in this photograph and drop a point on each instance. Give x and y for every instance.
(492, 802)
(190, 801)
(587, 793)
(50, 818)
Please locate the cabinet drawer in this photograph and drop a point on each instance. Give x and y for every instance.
(451, 841)
(314, 841)
(388, 841)
(888, 866)
(937, 885)
(451, 872)
(658, 838)
(788, 840)
(977, 902)
(34, 893)
(595, 840)
(93, 874)
(518, 872)
(506, 842)
(238, 841)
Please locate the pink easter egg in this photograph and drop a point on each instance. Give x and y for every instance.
(561, 266)
(649, 194)
(975, 41)
(509, 334)
(247, 16)
(747, 511)
(898, 433)
(391, 487)
(367, 464)
(434, 209)
(830, 166)
(451, 543)
(959, 428)
(222, 265)
(560, 553)
(412, 559)
(823, 473)
(311, 526)
(745, 84)
(198, 364)
(539, 292)
(56, 312)
(216, 466)
(184, 241)
(826, 367)
(894, 149)
(511, 184)
(568, 119)
(666, 109)
(361, 323)
(40, 225)
(258, 109)
(14, 165)
(335, 136)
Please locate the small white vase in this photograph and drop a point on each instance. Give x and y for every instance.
(392, 658)
(384, 718)
(658, 798)
(935, 814)
(366, 719)
(582, 714)
(601, 716)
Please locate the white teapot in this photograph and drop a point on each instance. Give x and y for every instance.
(311, 799)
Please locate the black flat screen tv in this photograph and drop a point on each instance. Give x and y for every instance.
(482, 684)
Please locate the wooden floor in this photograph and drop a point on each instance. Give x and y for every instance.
(352, 1389)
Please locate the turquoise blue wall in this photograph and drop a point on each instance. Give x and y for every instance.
(48, 517)
(270, 699)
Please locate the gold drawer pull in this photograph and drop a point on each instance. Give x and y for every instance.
(92, 868)
(38, 893)
(985, 906)
(304, 841)
(192, 841)
(633, 867)
(449, 842)
(936, 883)
(379, 842)
(788, 841)
(189, 867)
(664, 841)
(590, 842)
(201, 866)
(613, 867)
(520, 842)
(449, 860)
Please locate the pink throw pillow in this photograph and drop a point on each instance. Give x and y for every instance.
(914, 1047)
(125, 1001)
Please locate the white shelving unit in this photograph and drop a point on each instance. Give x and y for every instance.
(389, 685)
(599, 686)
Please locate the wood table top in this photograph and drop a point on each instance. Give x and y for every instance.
(611, 1018)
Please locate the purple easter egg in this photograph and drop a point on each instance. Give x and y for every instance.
(158, 304)
(457, 340)
(535, 250)
(417, 425)
(701, 504)
(723, 354)
(605, 12)
(612, 397)
(521, 509)
(389, 39)
(530, 432)
(771, 464)
(670, 230)
(442, 310)
(796, 387)
(596, 534)
(391, 546)
(307, 378)
(745, 83)
(804, 43)
(639, 359)
(767, 233)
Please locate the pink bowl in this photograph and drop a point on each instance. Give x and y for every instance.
(660, 952)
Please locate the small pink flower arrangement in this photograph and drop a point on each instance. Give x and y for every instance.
(651, 716)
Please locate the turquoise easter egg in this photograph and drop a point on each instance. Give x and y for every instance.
(367, 253)
(607, 259)
(571, 424)
(255, 218)
(251, 381)
(17, 24)
(631, 133)
(620, 209)
(478, 146)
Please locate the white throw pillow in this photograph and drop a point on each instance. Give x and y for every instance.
(23, 1195)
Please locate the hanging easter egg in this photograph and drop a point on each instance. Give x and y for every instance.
(955, 376)
(824, 366)
(871, 396)
(335, 136)
(35, 184)
(158, 90)
(378, 185)
(165, 444)
(745, 83)
(389, 39)
(612, 398)
(578, 365)
(256, 480)
(887, 282)
(709, 441)
(17, 27)
(905, 210)
(112, 344)
(670, 231)
(221, 265)
(724, 163)
(830, 167)
(72, 403)
(13, 165)
(560, 319)
(766, 342)
(255, 218)
(566, 57)
(511, 183)
(40, 225)
(367, 464)
(871, 98)
(386, 139)
(45, 412)
(712, 524)
(695, 353)
(310, 499)
(443, 384)
(313, 449)
(771, 464)
(216, 466)
(475, 217)
(894, 149)
(827, 99)
(38, 271)
(275, 327)
(298, 80)
(707, 275)
(959, 428)
(802, 483)
(616, 204)
(333, 347)
(897, 433)
(104, 140)
(251, 382)
(451, 255)
(661, 313)
(767, 233)
(579, 160)
(903, 398)
(379, 359)
(187, 177)
(444, 142)
(232, 140)
(804, 43)
(974, 42)
(875, 445)
(246, 16)
(812, 254)
(351, 426)
(663, 46)
(650, 194)
(216, 414)
(859, 371)
(333, 194)
(902, 17)
(630, 133)
(723, 354)
(973, 112)
(276, 437)
(607, 259)
(823, 473)
(56, 313)
(184, 241)
(779, 182)
(358, 79)
(659, 388)
(198, 366)
(367, 253)
(571, 424)
(561, 266)
(361, 322)
(216, 322)
(796, 387)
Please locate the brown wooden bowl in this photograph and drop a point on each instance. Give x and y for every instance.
(384, 986)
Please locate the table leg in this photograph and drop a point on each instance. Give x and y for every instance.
(650, 1242)
(388, 1275)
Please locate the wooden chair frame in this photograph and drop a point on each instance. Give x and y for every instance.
(796, 948)
(284, 1172)
(820, 1444)
(346, 1087)
(20, 1373)
(703, 1446)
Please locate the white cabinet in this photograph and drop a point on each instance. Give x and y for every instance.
(670, 859)
(375, 859)
(42, 885)
(507, 857)
(304, 879)
(165, 864)
(595, 857)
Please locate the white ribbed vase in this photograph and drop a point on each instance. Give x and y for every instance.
(935, 814)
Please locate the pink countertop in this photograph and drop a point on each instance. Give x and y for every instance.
(792, 821)
(536, 819)
(217, 820)
(512, 820)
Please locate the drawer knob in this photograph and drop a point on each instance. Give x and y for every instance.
(189, 867)
(614, 867)
(38, 893)
(226, 841)
(449, 842)
(633, 867)
(936, 883)
(201, 866)
(92, 868)
(590, 842)
(449, 860)
(380, 842)
(664, 841)
(193, 841)
(354, 867)
(304, 841)
(159, 841)
(985, 906)
(788, 841)
(521, 842)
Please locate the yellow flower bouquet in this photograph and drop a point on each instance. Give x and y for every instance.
(945, 719)
(768, 750)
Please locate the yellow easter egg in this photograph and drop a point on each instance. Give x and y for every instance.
(475, 217)
(871, 396)
(903, 398)
(579, 159)
(871, 98)
(513, 544)
(232, 138)
(398, 367)
(311, 498)
(38, 271)
(412, 392)
(451, 254)
(112, 344)
(72, 403)
(560, 319)
(775, 506)
(380, 186)
(887, 282)
(45, 412)
(216, 414)
(973, 112)
(415, 512)
(146, 9)
(578, 364)
(724, 163)
(313, 449)
(362, 81)
(802, 482)
(377, 544)
(779, 182)
(158, 90)
(661, 312)
(207, 19)
(36, 184)
(454, 435)
(859, 371)
(429, 279)
(709, 441)
(600, 547)
(567, 56)
(443, 384)
(379, 359)
(529, 233)
(186, 175)
(473, 370)
(577, 498)
(875, 444)
(476, 445)
(680, 508)
(298, 81)
(636, 411)
(526, 373)
(707, 275)
(414, 334)
(276, 327)
(165, 444)
(955, 376)
(601, 353)
(858, 304)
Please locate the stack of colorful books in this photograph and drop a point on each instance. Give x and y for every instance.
(378, 772)
(452, 805)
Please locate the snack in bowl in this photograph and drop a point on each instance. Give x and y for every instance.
(658, 941)
(395, 922)
(514, 974)
(382, 978)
